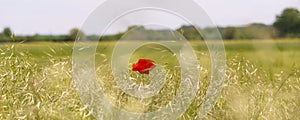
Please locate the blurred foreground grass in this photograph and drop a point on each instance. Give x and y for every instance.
(262, 81)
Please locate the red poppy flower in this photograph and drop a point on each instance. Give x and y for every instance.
(143, 66)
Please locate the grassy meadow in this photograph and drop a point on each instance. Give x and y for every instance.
(262, 80)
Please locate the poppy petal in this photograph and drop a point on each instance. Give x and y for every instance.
(143, 66)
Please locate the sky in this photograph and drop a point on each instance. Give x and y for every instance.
(27, 17)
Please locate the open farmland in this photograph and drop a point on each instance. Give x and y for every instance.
(262, 80)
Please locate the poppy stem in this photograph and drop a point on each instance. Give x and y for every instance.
(146, 80)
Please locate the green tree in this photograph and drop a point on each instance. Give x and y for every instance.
(288, 23)
(189, 32)
(229, 33)
(76, 32)
(7, 32)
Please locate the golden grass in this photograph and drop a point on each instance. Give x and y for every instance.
(256, 87)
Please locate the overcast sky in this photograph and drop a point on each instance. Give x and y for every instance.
(59, 16)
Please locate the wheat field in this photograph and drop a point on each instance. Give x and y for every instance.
(262, 81)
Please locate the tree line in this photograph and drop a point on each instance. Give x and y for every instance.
(286, 25)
